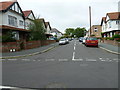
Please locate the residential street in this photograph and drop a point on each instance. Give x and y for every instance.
(67, 66)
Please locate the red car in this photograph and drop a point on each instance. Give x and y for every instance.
(91, 41)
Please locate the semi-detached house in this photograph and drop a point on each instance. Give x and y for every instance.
(110, 24)
(12, 19)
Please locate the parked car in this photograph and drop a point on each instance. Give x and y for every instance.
(91, 41)
(67, 40)
(81, 39)
(62, 41)
(84, 39)
(70, 39)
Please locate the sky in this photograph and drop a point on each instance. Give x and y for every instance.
(64, 14)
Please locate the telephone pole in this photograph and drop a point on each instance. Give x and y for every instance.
(90, 19)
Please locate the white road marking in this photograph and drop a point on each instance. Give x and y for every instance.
(6, 87)
(74, 47)
(78, 60)
(26, 59)
(103, 60)
(100, 58)
(73, 58)
(91, 60)
(50, 60)
(63, 60)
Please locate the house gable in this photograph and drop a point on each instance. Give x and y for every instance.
(107, 18)
(48, 25)
(103, 21)
(14, 6)
(31, 16)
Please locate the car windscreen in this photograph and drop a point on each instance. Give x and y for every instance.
(62, 40)
(91, 38)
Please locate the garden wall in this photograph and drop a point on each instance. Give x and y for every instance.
(10, 46)
(111, 42)
(17, 46)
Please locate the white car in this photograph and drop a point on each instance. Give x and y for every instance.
(67, 40)
(84, 39)
(62, 42)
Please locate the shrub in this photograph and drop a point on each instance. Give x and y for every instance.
(8, 37)
(109, 38)
(116, 36)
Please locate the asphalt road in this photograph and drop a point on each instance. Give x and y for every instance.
(67, 66)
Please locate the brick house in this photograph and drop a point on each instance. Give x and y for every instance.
(96, 30)
(12, 19)
(110, 24)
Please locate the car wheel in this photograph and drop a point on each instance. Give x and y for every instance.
(86, 45)
(97, 46)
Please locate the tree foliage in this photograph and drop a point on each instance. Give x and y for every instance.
(78, 32)
(37, 30)
(69, 31)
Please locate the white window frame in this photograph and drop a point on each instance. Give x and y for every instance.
(12, 20)
(21, 23)
(95, 29)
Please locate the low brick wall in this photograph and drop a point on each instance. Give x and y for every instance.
(111, 42)
(47, 42)
(17, 46)
(10, 46)
(32, 44)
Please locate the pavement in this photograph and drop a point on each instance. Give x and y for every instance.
(110, 48)
(68, 66)
(29, 52)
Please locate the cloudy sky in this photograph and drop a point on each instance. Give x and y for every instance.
(64, 14)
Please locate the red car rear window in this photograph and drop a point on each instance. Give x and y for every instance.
(92, 39)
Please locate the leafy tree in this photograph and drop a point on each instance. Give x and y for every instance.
(79, 32)
(69, 31)
(37, 30)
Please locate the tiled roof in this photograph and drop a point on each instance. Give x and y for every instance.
(55, 30)
(27, 13)
(5, 5)
(12, 28)
(114, 15)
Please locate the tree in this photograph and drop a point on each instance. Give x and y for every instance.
(79, 32)
(37, 30)
(69, 32)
